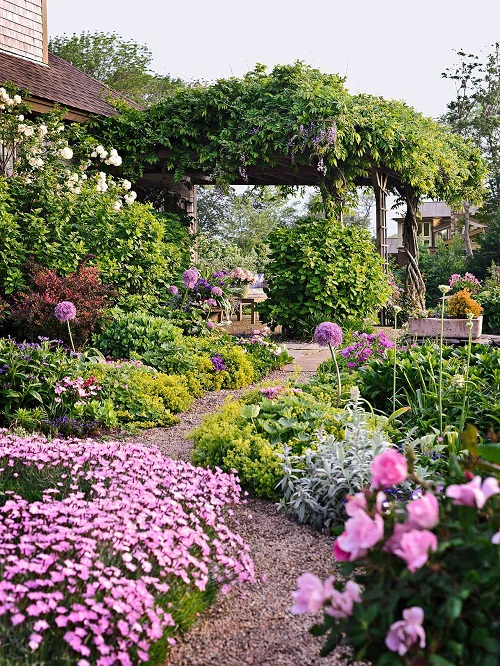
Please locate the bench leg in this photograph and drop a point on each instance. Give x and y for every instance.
(239, 312)
(252, 312)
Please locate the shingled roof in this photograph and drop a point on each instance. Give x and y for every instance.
(59, 82)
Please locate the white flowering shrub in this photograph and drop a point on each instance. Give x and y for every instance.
(316, 482)
(59, 208)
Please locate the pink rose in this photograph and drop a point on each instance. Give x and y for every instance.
(340, 604)
(474, 493)
(388, 469)
(360, 534)
(414, 547)
(310, 596)
(424, 512)
(408, 631)
(355, 503)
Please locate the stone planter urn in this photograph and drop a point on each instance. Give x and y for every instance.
(430, 327)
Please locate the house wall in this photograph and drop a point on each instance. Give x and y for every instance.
(23, 29)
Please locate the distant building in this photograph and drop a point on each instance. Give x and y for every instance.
(26, 62)
(438, 221)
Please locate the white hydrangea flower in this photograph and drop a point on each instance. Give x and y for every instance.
(126, 184)
(130, 197)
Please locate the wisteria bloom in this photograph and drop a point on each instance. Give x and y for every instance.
(190, 278)
(65, 310)
(407, 632)
(328, 333)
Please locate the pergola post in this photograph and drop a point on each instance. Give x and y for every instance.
(379, 181)
(415, 286)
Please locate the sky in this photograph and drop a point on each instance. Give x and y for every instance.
(392, 48)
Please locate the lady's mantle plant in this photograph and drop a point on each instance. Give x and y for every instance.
(424, 576)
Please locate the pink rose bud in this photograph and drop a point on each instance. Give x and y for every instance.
(388, 469)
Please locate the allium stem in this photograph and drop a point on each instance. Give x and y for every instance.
(71, 337)
(467, 368)
(440, 394)
(339, 383)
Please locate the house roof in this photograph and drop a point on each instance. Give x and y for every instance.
(58, 82)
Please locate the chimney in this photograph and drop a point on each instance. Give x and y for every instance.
(23, 29)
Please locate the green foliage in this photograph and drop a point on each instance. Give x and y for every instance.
(417, 386)
(438, 267)
(141, 395)
(489, 297)
(322, 270)
(296, 111)
(122, 65)
(134, 334)
(488, 252)
(248, 435)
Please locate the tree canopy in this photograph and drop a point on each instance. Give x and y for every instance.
(123, 65)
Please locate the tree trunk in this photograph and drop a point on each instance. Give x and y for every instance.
(468, 244)
(414, 284)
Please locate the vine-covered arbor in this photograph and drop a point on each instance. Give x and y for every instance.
(297, 126)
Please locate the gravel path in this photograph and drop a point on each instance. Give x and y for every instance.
(253, 625)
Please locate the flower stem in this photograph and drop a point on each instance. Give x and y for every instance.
(71, 337)
(394, 367)
(440, 394)
(466, 382)
(339, 383)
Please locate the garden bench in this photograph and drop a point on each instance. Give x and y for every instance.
(249, 300)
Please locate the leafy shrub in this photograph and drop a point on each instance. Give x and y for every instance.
(33, 311)
(489, 297)
(436, 267)
(461, 304)
(125, 334)
(416, 594)
(417, 379)
(322, 270)
(315, 483)
(141, 395)
(66, 574)
(248, 434)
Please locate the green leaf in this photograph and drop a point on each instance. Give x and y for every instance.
(490, 452)
(436, 660)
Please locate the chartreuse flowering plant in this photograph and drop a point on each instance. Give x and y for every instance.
(423, 575)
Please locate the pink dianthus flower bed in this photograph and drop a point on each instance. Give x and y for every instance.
(112, 528)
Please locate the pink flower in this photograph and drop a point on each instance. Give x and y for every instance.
(310, 596)
(408, 631)
(65, 310)
(355, 503)
(414, 547)
(424, 512)
(328, 333)
(388, 469)
(496, 538)
(360, 534)
(473, 493)
(210, 324)
(340, 604)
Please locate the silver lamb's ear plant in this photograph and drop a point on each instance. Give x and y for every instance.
(315, 483)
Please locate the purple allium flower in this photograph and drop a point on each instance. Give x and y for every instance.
(328, 333)
(210, 324)
(218, 363)
(190, 278)
(173, 290)
(65, 310)
(212, 302)
(216, 291)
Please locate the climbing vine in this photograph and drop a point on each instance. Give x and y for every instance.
(296, 113)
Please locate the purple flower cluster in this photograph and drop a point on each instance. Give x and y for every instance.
(364, 347)
(218, 363)
(468, 281)
(190, 278)
(328, 333)
(116, 526)
(273, 392)
(173, 290)
(64, 311)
